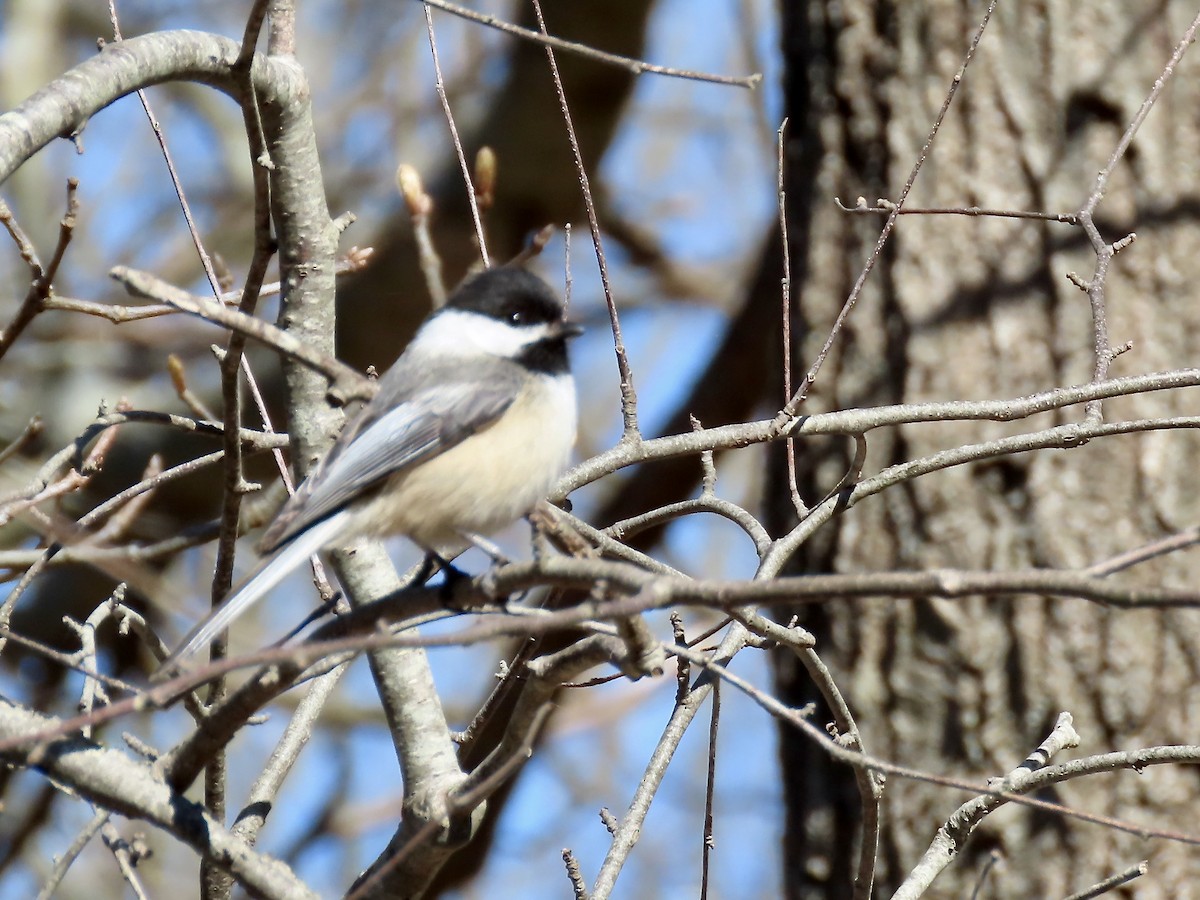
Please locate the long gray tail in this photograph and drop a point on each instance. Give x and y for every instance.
(268, 574)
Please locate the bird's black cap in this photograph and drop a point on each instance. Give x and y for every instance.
(508, 294)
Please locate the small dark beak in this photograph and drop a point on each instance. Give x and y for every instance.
(568, 330)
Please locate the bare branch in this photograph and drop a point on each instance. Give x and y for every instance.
(345, 381)
(637, 67)
(628, 393)
(131, 788)
(952, 837)
(1115, 881)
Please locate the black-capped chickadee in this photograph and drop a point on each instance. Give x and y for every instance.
(470, 428)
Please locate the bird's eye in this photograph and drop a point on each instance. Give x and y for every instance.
(517, 318)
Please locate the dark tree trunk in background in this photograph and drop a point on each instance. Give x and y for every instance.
(976, 308)
(537, 183)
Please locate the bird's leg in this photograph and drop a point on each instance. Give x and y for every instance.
(449, 569)
(498, 559)
(453, 576)
(429, 567)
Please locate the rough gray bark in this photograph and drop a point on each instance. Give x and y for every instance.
(973, 308)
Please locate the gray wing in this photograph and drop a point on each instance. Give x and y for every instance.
(391, 433)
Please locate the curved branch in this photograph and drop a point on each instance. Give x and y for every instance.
(63, 107)
(112, 780)
(860, 421)
(1060, 437)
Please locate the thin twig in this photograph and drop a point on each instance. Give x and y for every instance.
(578, 888)
(637, 67)
(76, 478)
(1096, 287)
(185, 207)
(355, 260)
(42, 281)
(791, 408)
(420, 205)
(64, 862)
(951, 838)
(627, 528)
(24, 244)
(261, 798)
(1115, 881)
(629, 827)
(863, 420)
(127, 857)
(785, 286)
(1152, 550)
(710, 784)
(32, 429)
(628, 395)
(344, 379)
(214, 881)
(870, 784)
(989, 866)
(440, 86)
(887, 207)
(178, 373)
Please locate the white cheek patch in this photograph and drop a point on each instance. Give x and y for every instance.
(453, 332)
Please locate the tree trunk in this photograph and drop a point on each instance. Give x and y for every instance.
(973, 308)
